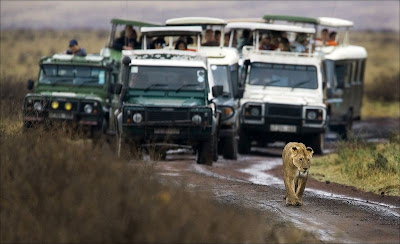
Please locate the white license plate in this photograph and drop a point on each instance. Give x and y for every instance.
(283, 128)
(167, 131)
(61, 116)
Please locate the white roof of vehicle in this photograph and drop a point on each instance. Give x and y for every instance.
(283, 57)
(334, 22)
(195, 21)
(344, 52)
(171, 30)
(273, 27)
(253, 20)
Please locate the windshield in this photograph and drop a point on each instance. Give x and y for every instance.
(283, 75)
(221, 75)
(167, 78)
(72, 75)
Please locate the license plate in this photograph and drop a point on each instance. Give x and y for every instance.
(283, 128)
(61, 116)
(167, 131)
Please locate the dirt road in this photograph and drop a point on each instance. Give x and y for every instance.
(332, 213)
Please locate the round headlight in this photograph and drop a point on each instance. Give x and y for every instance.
(196, 119)
(255, 111)
(55, 104)
(228, 111)
(88, 109)
(68, 106)
(137, 118)
(311, 115)
(38, 106)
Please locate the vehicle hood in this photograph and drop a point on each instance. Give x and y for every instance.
(225, 101)
(287, 96)
(69, 95)
(71, 92)
(166, 101)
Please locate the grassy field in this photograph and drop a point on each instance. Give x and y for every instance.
(367, 166)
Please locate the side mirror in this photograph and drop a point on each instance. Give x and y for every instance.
(30, 85)
(240, 93)
(217, 91)
(117, 89)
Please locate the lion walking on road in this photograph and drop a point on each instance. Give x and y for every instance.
(296, 163)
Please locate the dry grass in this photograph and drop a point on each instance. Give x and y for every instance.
(366, 166)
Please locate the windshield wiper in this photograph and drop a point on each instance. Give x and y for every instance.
(154, 85)
(270, 82)
(59, 80)
(185, 85)
(86, 81)
(300, 83)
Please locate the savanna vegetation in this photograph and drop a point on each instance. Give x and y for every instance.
(367, 166)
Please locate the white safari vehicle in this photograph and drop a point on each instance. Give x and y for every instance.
(223, 67)
(164, 99)
(284, 92)
(343, 66)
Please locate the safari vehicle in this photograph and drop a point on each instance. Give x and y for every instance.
(223, 66)
(344, 68)
(284, 92)
(76, 90)
(118, 25)
(164, 99)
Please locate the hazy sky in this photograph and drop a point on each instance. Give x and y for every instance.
(73, 14)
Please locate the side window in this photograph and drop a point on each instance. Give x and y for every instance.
(234, 73)
(355, 69)
(362, 70)
(343, 74)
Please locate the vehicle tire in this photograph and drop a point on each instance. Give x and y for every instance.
(205, 152)
(317, 143)
(158, 155)
(345, 131)
(244, 144)
(230, 148)
(215, 149)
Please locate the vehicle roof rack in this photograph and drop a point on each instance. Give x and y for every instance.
(171, 31)
(134, 22)
(253, 20)
(296, 19)
(273, 27)
(195, 21)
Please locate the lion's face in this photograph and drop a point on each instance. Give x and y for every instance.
(302, 158)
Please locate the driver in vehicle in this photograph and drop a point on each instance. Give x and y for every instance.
(210, 41)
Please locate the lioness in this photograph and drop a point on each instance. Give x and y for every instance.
(296, 162)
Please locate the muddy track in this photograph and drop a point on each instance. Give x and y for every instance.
(331, 213)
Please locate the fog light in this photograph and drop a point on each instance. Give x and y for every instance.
(55, 104)
(68, 106)
(88, 109)
(196, 119)
(137, 118)
(38, 106)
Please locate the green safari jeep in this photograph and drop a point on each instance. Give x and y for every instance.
(74, 90)
(164, 103)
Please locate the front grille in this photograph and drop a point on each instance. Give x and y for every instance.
(167, 116)
(282, 110)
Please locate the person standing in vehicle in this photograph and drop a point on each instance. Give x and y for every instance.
(217, 36)
(244, 40)
(332, 39)
(74, 49)
(324, 38)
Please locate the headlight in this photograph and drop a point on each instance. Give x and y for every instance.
(55, 104)
(68, 106)
(88, 109)
(227, 112)
(311, 115)
(255, 111)
(38, 106)
(137, 118)
(196, 119)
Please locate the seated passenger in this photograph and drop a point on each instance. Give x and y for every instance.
(284, 45)
(130, 38)
(158, 43)
(265, 43)
(226, 39)
(332, 39)
(300, 45)
(244, 40)
(74, 49)
(323, 40)
(119, 42)
(210, 41)
(180, 45)
(217, 36)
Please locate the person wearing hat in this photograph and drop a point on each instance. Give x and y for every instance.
(301, 43)
(74, 49)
